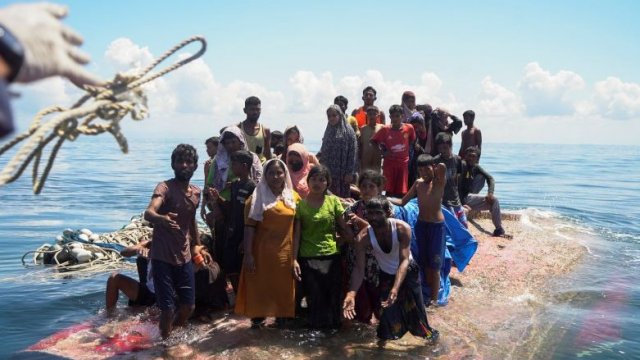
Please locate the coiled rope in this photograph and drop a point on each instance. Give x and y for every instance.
(112, 102)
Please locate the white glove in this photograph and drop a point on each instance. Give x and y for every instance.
(50, 47)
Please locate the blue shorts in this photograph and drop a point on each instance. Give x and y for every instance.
(431, 244)
(173, 283)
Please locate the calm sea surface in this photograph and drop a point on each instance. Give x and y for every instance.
(595, 189)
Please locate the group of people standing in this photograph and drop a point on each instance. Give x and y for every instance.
(287, 229)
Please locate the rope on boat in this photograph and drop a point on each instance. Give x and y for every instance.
(112, 102)
(82, 251)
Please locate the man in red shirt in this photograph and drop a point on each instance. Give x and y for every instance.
(369, 97)
(394, 141)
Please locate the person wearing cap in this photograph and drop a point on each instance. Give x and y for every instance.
(369, 154)
(369, 96)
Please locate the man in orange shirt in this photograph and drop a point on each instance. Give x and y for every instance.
(369, 97)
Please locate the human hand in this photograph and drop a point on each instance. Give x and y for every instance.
(208, 259)
(213, 193)
(490, 198)
(169, 221)
(393, 295)
(349, 306)
(51, 48)
(357, 221)
(249, 263)
(296, 270)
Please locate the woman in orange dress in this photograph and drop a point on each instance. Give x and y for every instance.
(267, 283)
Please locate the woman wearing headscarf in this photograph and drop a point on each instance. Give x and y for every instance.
(293, 135)
(299, 166)
(267, 280)
(408, 105)
(220, 177)
(339, 151)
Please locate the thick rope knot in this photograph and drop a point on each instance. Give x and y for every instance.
(68, 129)
(109, 104)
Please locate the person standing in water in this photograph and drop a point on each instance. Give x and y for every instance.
(175, 239)
(400, 293)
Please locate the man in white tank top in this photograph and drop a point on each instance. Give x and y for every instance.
(401, 308)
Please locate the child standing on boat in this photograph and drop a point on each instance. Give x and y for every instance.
(430, 228)
(394, 141)
(233, 211)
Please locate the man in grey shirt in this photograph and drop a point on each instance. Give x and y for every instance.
(471, 182)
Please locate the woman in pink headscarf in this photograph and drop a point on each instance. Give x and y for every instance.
(299, 166)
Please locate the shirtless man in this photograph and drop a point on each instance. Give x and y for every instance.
(256, 135)
(471, 136)
(430, 228)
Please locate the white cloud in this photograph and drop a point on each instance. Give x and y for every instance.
(544, 93)
(615, 99)
(496, 100)
(189, 99)
(124, 55)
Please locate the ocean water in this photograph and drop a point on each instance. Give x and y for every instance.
(593, 190)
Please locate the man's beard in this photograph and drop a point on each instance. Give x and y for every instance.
(183, 175)
(378, 224)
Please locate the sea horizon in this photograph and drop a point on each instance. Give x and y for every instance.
(92, 185)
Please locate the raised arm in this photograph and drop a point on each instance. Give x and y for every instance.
(343, 229)
(407, 197)
(440, 175)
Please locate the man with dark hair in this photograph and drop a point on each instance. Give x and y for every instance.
(212, 149)
(256, 135)
(472, 181)
(399, 279)
(440, 123)
(175, 239)
(451, 198)
(369, 96)
(471, 136)
(344, 103)
(394, 141)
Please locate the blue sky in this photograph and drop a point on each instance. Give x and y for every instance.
(536, 72)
